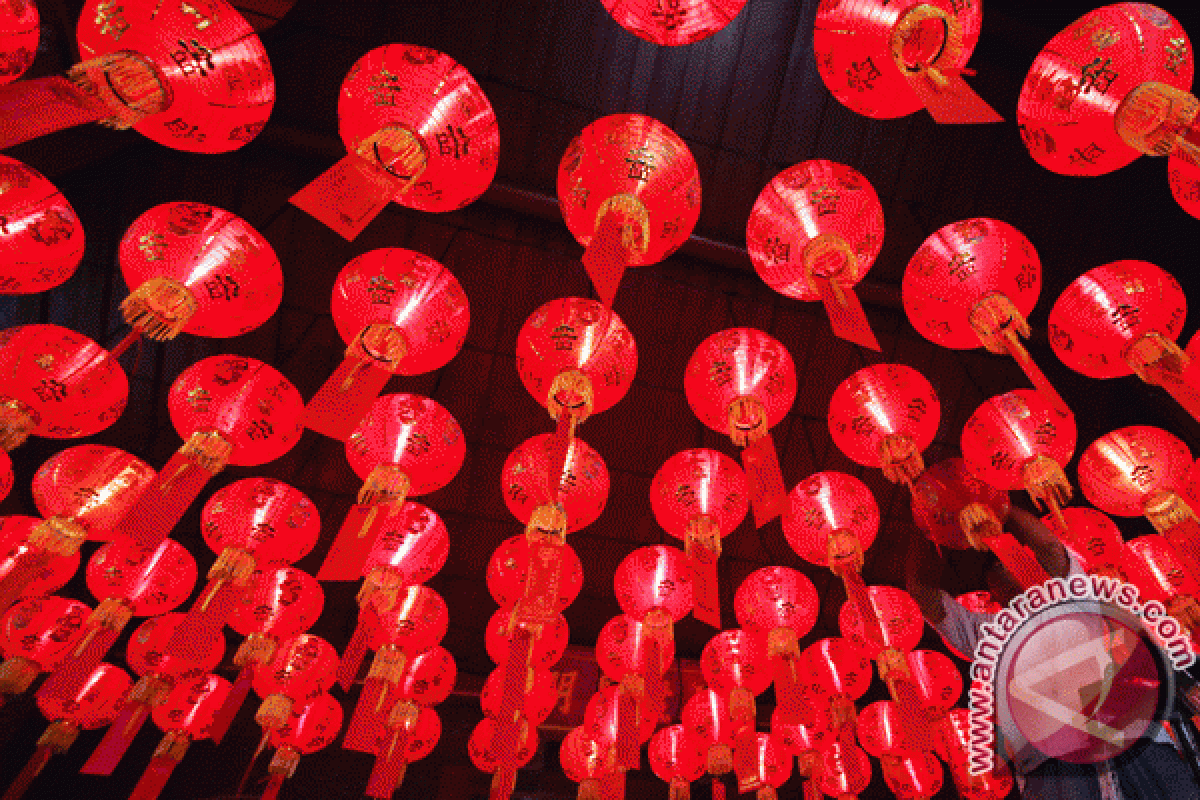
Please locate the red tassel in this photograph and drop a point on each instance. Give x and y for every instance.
(953, 103)
(159, 509)
(117, 738)
(194, 637)
(846, 315)
(356, 651)
(33, 768)
(42, 106)
(233, 703)
(605, 259)
(66, 681)
(348, 195)
(1018, 560)
(154, 779)
(274, 784)
(348, 555)
(30, 564)
(343, 400)
(368, 723)
(389, 767)
(764, 480)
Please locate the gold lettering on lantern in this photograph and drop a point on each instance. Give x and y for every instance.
(157, 8)
(153, 245)
(110, 19)
(1177, 51)
(200, 399)
(383, 88)
(202, 20)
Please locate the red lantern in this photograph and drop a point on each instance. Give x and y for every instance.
(92, 705)
(646, 192)
(228, 410)
(622, 650)
(677, 759)
(606, 716)
(780, 604)
(585, 759)
(184, 717)
(211, 95)
(508, 574)
(885, 730)
(1093, 538)
(1123, 318)
(735, 663)
(742, 382)
(901, 625)
(1143, 470)
(541, 695)
(58, 383)
(42, 241)
(621, 646)
(1184, 179)
(700, 496)
(198, 269)
(307, 730)
(417, 129)
(147, 655)
(1170, 577)
(706, 722)
(942, 492)
(546, 650)
(654, 586)
(830, 216)
(301, 670)
(954, 747)
(975, 282)
(772, 766)
(482, 747)
(406, 446)
(680, 22)
(20, 572)
(569, 499)
(400, 313)
(884, 416)
(885, 60)
(915, 777)
(19, 32)
(1082, 109)
(35, 636)
(844, 771)
(840, 674)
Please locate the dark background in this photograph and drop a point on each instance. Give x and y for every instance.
(749, 103)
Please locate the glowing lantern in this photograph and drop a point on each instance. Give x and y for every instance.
(35, 636)
(417, 129)
(844, 771)
(805, 742)
(228, 410)
(184, 717)
(735, 663)
(915, 777)
(147, 655)
(677, 759)
(307, 730)
(6, 475)
(428, 681)
(540, 691)
(831, 520)
(629, 191)
(198, 269)
(1016, 440)
(42, 240)
(1171, 578)
(400, 313)
(301, 671)
(279, 604)
(406, 446)
(210, 94)
(884, 416)
(1141, 470)
(508, 574)
(1093, 538)
(829, 216)
(254, 523)
(780, 604)
(92, 705)
(700, 496)
(742, 382)
(58, 383)
(1123, 318)
(954, 747)
(938, 687)
(887, 60)
(585, 758)
(1184, 179)
(19, 32)
(1099, 92)
(901, 624)
(22, 573)
(609, 718)
(940, 495)
(620, 652)
(675, 23)
(707, 723)
(772, 766)
(885, 730)
(482, 747)
(975, 282)
(576, 358)
(560, 501)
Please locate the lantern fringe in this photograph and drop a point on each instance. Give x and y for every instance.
(746, 408)
(1166, 510)
(408, 159)
(58, 535)
(844, 553)
(702, 546)
(17, 674)
(17, 422)
(902, 461)
(1152, 118)
(634, 220)
(980, 523)
(576, 387)
(274, 712)
(208, 450)
(1047, 485)
(126, 83)
(909, 23)
(160, 308)
(381, 344)
(818, 252)
(1000, 326)
(385, 485)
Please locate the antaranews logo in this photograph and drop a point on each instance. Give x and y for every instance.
(1076, 668)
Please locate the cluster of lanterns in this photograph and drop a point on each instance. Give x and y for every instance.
(629, 191)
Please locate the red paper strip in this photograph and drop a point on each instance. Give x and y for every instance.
(811, 792)
(1035, 374)
(348, 555)
(29, 565)
(508, 728)
(389, 767)
(558, 449)
(707, 601)
(605, 259)
(856, 591)
(335, 411)
(194, 637)
(368, 723)
(612, 785)
(348, 195)
(33, 768)
(233, 703)
(794, 707)
(846, 315)
(745, 759)
(274, 784)
(156, 513)
(764, 480)
(1184, 536)
(718, 788)
(154, 779)
(117, 739)
(916, 717)
(66, 681)
(629, 752)
(355, 651)
(503, 783)
(38, 107)
(953, 103)
(1018, 560)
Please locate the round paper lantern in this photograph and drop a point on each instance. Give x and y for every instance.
(706, 721)
(844, 771)
(887, 60)
(1093, 538)
(885, 730)
(606, 714)
(195, 268)
(629, 191)
(35, 636)
(772, 767)
(482, 747)
(700, 496)
(974, 283)
(954, 748)
(900, 619)
(677, 22)
(780, 605)
(58, 383)
(884, 415)
(814, 232)
(677, 759)
(41, 241)
(568, 498)
(840, 673)
(621, 646)
(192, 77)
(185, 716)
(508, 574)
(547, 649)
(541, 695)
(90, 487)
(585, 758)
(1079, 110)
(654, 586)
(937, 679)
(742, 382)
(26, 568)
(912, 777)
(20, 27)
(631, 655)
(832, 519)
(942, 492)
(306, 731)
(416, 621)
(418, 130)
(735, 663)
(1172, 578)
(1184, 179)
(400, 313)
(301, 670)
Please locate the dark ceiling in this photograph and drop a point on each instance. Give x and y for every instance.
(749, 103)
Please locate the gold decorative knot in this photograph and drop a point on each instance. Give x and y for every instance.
(399, 151)
(257, 648)
(719, 759)
(571, 391)
(829, 256)
(911, 24)
(274, 712)
(1153, 118)
(1166, 509)
(159, 309)
(17, 674)
(389, 664)
(747, 420)
(403, 715)
(381, 587)
(208, 450)
(386, 485)
(634, 218)
(1047, 484)
(126, 84)
(783, 643)
(546, 522)
(1157, 360)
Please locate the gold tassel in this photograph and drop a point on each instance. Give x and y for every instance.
(234, 565)
(635, 227)
(404, 715)
(17, 422)
(17, 674)
(173, 745)
(257, 648)
(1153, 118)
(274, 712)
(1166, 509)
(389, 664)
(208, 450)
(284, 761)
(1156, 359)
(719, 759)
(382, 587)
(113, 613)
(159, 309)
(547, 522)
(680, 790)
(58, 535)
(994, 318)
(843, 552)
(979, 523)
(59, 736)
(819, 251)
(702, 531)
(381, 344)
(575, 388)
(1047, 486)
(902, 462)
(747, 420)
(397, 150)
(386, 485)
(127, 84)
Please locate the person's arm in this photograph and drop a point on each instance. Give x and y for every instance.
(923, 576)
(1047, 549)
